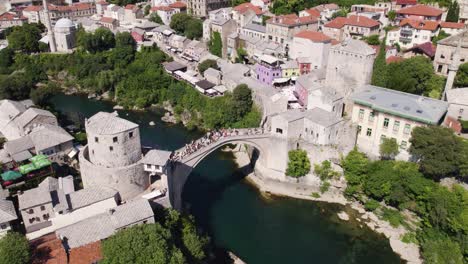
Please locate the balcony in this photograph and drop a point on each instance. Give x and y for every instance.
(406, 32)
(405, 39)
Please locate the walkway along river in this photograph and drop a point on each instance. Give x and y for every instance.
(258, 230)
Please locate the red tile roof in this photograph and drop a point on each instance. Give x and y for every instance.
(361, 21)
(33, 8)
(338, 22)
(161, 8)
(178, 4)
(313, 12)
(313, 36)
(452, 25)
(129, 6)
(420, 24)
(242, 8)
(421, 10)
(406, 2)
(107, 20)
(10, 17)
(292, 20)
(427, 48)
(393, 59)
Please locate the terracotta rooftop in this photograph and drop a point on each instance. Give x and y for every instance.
(361, 21)
(420, 24)
(178, 4)
(338, 22)
(242, 8)
(313, 12)
(129, 6)
(420, 10)
(292, 20)
(33, 8)
(107, 20)
(393, 59)
(452, 25)
(161, 8)
(313, 36)
(406, 2)
(427, 48)
(10, 17)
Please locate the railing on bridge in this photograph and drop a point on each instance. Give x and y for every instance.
(213, 137)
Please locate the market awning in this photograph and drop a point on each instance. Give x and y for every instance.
(38, 157)
(25, 169)
(42, 163)
(280, 80)
(11, 175)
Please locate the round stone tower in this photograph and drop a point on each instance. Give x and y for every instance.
(64, 32)
(112, 156)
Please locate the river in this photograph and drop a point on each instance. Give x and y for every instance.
(238, 218)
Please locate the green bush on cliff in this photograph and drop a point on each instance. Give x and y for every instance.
(298, 164)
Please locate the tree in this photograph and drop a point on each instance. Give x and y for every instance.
(147, 10)
(237, 2)
(102, 39)
(6, 60)
(372, 40)
(437, 248)
(25, 38)
(391, 15)
(14, 249)
(325, 171)
(241, 55)
(341, 13)
(461, 80)
(389, 148)
(194, 29)
(204, 65)
(154, 17)
(242, 100)
(298, 164)
(453, 12)
(216, 44)
(439, 151)
(379, 73)
(179, 22)
(442, 35)
(42, 95)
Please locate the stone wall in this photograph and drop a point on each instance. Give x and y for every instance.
(129, 181)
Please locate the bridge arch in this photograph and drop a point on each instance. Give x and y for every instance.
(180, 170)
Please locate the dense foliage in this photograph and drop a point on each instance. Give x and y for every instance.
(14, 249)
(442, 35)
(298, 164)
(216, 44)
(102, 39)
(26, 38)
(461, 80)
(453, 12)
(400, 184)
(414, 75)
(174, 239)
(187, 25)
(389, 148)
(154, 17)
(439, 151)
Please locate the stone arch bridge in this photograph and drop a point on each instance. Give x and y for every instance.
(272, 150)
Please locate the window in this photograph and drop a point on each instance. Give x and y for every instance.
(369, 132)
(361, 114)
(407, 129)
(3, 226)
(382, 137)
(130, 135)
(96, 139)
(385, 122)
(403, 144)
(31, 220)
(396, 126)
(371, 116)
(439, 68)
(111, 148)
(279, 131)
(45, 216)
(359, 128)
(460, 111)
(115, 139)
(31, 211)
(42, 208)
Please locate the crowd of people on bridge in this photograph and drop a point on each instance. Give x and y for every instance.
(211, 137)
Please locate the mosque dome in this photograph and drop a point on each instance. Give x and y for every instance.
(64, 23)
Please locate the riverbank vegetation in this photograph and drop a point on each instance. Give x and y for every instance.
(14, 249)
(298, 163)
(172, 239)
(108, 64)
(409, 187)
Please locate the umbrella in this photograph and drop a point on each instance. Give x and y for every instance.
(11, 175)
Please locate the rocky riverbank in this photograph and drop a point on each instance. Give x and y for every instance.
(407, 251)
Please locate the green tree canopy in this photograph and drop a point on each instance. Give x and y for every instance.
(194, 29)
(102, 39)
(216, 44)
(298, 164)
(6, 60)
(391, 15)
(461, 80)
(453, 12)
(25, 38)
(372, 40)
(185, 24)
(324, 170)
(242, 100)
(154, 17)
(389, 148)
(440, 152)
(379, 73)
(14, 249)
(204, 65)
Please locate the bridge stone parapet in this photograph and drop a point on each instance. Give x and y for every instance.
(272, 155)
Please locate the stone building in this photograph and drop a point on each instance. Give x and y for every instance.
(64, 31)
(247, 13)
(224, 27)
(312, 45)
(463, 10)
(9, 19)
(7, 215)
(112, 156)
(200, 8)
(381, 113)
(282, 29)
(350, 64)
(446, 49)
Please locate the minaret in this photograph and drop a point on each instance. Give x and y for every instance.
(452, 69)
(50, 32)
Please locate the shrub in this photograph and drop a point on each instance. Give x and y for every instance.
(371, 205)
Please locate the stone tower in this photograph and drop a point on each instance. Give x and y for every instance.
(452, 69)
(50, 33)
(64, 31)
(112, 156)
